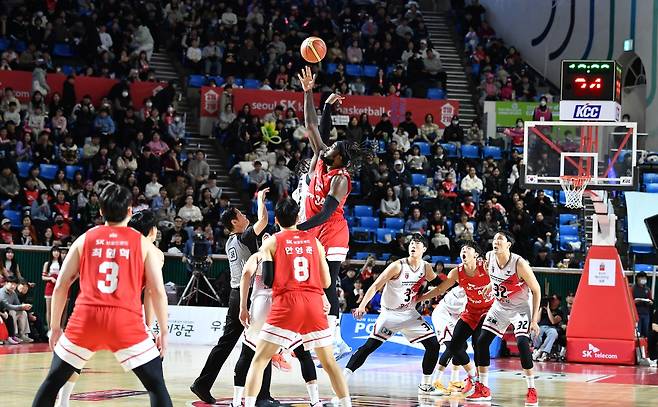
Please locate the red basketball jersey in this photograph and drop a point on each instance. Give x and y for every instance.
(296, 263)
(112, 268)
(319, 188)
(473, 286)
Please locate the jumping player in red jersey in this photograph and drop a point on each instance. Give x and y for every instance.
(473, 277)
(113, 262)
(328, 190)
(297, 276)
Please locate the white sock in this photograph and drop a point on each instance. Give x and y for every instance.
(313, 392)
(454, 373)
(65, 394)
(237, 395)
(345, 402)
(530, 381)
(484, 378)
(427, 379)
(473, 374)
(249, 402)
(347, 373)
(439, 376)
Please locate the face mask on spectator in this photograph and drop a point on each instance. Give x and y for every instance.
(149, 104)
(642, 281)
(177, 119)
(455, 122)
(542, 103)
(519, 124)
(124, 94)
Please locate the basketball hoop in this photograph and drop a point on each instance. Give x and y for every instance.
(574, 186)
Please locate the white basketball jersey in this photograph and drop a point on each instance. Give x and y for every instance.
(399, 294)
(299, 195)
(453, 302)
(258, 287)
(510, 291)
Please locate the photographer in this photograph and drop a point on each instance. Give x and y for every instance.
(551, 317)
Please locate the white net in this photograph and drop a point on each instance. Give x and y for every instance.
(573, 187)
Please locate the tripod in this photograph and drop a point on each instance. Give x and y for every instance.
(193, 289)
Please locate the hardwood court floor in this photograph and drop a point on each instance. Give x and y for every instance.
(382, 381)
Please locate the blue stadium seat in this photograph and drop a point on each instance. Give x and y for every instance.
(362, 210)
(450, 149)
(470, 151)
(436, 93)
(362, 235)
(353, 70)
(647, 268)
(569, 230)
(48, 171)
(385, 236)
(351, 221)
(238, 82)
(251, 83)
(361, 255)
(424, 147)
(24, 168)
(650, 178)
(493, 151)
(385, 256)
(331, 68)
(16, 217)
(219, 81)
(370, 71)
(4, 44)
(71, 170)
(458, 260)
(418, 179)
(565, 241)
(270, 217)
(347, 210)
(269, 205)
(563, 199)
(356, 188)
(63, 50)
(390, 69)
(642, 249)
(381, 147)
(68, 70)
(442, 259)
(568, 218)
(369, 222)
(20, 46)
(394, 223)
(450, 225)
(518, 149)
(196, 81)
(652, 188)
(550, 193)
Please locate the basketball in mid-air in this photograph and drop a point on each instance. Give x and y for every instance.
(313, 49)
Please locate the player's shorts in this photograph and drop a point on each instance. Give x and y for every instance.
(444, 323)
(94, 328)
(473, 318)
(297, 312)
(335, 237)
(499, 318)
(258, 312)
(409, 322)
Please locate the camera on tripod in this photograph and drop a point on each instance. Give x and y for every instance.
(198, 262)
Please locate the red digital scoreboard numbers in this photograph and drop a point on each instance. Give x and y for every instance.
(591, 80)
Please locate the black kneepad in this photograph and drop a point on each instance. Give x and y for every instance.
(523, 343)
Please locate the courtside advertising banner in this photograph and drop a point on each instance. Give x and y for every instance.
(97, 88)
(356, 332)
(194, 325)
(262, 102)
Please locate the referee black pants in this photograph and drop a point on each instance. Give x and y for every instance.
(220, 352)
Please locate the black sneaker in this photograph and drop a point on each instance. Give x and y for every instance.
(203, 394)
(269, 402)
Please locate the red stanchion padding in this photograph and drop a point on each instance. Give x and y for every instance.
(602, 321)
(4, 335)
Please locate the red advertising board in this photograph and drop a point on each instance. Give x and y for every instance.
(97, 88)
(263, 102)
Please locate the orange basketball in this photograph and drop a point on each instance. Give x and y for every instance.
(313, 49)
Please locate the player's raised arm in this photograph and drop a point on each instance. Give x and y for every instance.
(325, 126)
(307, 79)
(261, 223)
(245, 281)
(67, 275)
(392, 271)
(338, 190)
(441, 289)
(525, 272)
(155, 286)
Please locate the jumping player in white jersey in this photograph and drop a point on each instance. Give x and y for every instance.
(301, 192)
(512, 282)
(444, 317)
(401, 281)
(253, 320)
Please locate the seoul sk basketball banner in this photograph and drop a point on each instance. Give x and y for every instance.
(264, 101)
(97, 88)
(356, 332)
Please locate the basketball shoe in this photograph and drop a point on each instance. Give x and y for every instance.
(531, 399)
(280, 362)
(481, 393)
(469, 387)
(456, 386)
(429, 390)
(441, 388)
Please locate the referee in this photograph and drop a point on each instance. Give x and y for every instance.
(242, 242)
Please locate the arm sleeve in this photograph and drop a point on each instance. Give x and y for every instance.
(325, 123)
(329, 207)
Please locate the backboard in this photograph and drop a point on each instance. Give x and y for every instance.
(604, 151)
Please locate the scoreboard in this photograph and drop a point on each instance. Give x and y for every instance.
(591, 90)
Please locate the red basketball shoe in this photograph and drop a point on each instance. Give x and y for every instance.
(531, 399)
(481, 393)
